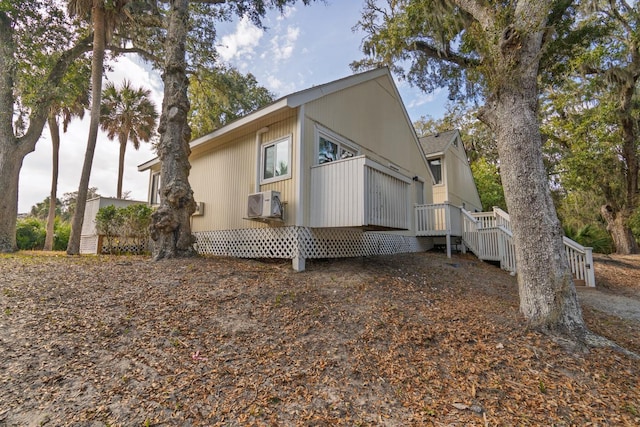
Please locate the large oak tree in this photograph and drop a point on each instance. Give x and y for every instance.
(493, 50)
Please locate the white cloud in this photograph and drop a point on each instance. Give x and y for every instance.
(242, 42)
(282, 45)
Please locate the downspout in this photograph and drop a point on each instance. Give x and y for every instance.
(259, 133)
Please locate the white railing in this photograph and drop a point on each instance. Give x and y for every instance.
(507, 249)
(357, 192)
(487, 240)
(502, 218)
(485, 219)
(488, 235)
(439, 219)
(470, 234)
(580, 261)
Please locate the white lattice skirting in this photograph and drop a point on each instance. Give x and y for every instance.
(303, 242)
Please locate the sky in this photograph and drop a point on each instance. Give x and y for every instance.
(306, 46)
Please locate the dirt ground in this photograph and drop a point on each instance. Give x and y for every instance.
(406, 340)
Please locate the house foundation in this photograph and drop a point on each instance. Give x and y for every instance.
(302, 243)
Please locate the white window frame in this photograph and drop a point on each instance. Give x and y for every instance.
(263, 148)
(154, 199)
(340, 141)
(441, 159)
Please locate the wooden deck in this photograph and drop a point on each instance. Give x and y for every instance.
(488, 235)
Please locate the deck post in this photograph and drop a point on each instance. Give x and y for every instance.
(447, 211)
(298, 263)
(590, 277)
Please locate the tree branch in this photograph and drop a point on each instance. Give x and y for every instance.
(482, 14)
(435, 53)
(38, 116)
(146, 55)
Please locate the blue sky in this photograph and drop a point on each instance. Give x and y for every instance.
(306, 46)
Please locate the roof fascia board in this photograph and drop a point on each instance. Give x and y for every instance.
(317, 92)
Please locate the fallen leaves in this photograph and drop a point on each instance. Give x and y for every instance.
(398, 340)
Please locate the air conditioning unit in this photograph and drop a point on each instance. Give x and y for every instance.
(199, 209)
(265, 204)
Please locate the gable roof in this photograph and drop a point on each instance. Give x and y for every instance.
(290, 101)
(438, 142)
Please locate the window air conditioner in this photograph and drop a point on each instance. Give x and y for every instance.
(265, 204)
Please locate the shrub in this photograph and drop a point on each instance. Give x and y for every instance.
(30, 233)
(130, 224)
(61, 231)
(591, 236)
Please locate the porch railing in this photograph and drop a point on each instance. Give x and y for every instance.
(441, 219)
(488, 235)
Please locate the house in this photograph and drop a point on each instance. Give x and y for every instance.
(90, 241)
(331, 171)
(452, 179)
(338, 171)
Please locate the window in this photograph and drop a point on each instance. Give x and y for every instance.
(331, 147)
(436, 169)
(154, 198)
(276, 160)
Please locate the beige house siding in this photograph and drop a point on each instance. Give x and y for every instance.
(440, 193)
(462, 187)
(224, 176)
(369, 116)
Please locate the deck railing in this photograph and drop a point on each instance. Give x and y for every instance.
(438, 219)
(441, 219)
(580, 261)
(488, 235)
(359, 192)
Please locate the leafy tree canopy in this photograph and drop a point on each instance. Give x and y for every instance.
(222, 95)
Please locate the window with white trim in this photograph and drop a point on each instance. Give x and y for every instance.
(276, 160)
(436, 169)
(155, 189)
(332, 147)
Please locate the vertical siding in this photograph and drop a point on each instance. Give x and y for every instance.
(370, 116)
(387, 200)
(355, 192)
(439, 194)
(337, 194)
(460, 183)
(89, 221)
(223, 177)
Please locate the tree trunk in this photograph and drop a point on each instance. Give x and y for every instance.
(10, 164)
(123, 148)
(170, 223)
(97, 61)
(10, 160)
(54, 129)
(547, 293)
(618, 228)
(12, 149)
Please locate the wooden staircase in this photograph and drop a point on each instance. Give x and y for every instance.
(488, 235)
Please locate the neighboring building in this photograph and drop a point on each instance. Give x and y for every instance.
(452, 178)
(331, 171)
(90, 241)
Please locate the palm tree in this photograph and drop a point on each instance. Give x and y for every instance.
(130, 115)
(105, 16)
(71, 102)
(66, 113)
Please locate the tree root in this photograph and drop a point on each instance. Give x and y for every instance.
(583, 340)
